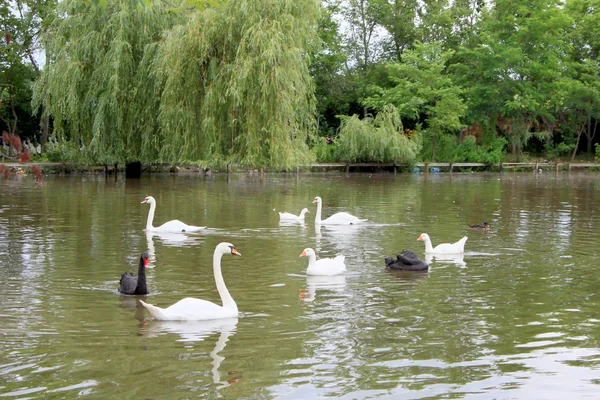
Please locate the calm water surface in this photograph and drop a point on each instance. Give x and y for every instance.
(518, 317)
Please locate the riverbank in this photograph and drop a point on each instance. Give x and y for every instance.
(424, 167)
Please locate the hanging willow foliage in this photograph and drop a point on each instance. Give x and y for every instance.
(376, 139)
(92, 85)
(229, 84)
(236, 85)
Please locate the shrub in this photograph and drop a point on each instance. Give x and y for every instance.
(379, 139)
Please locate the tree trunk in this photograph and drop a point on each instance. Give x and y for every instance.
(579, 132)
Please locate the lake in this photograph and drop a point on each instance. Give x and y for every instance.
(516, 317)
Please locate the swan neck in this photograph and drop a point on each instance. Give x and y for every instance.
(141, 278)
(318, 215)
(312, 259)
(151, 216)
(221, 288)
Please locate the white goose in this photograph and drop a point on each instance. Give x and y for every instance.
(341, 218)
(324, 266)
(286, 216)
(443, 248)
(190, 309)
(171, 226)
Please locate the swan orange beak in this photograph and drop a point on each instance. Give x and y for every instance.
(237, 253)
(144, 201)
(303, 254)
(308, 211)
(314, 201)
(420, 237)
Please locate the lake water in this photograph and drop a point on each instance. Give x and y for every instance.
(517, 317)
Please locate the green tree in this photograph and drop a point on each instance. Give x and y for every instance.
(422, 90)
(20, 24)
(92, 86)
(131, 83)
(511, 76)
(584, 52)
(235, 84)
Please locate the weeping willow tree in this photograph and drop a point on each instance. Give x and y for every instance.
(93, 85)
(225, 84)
(379, 139)
(235, 84)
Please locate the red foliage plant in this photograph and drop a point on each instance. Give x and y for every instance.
(23, 156)
(7, 37)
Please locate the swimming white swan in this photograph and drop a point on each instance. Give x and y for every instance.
(443, 248)
(341, 218)
(286, 216)
(171, 226)
(324, 266)
(190, 309)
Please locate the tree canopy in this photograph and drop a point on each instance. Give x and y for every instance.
(261, 83)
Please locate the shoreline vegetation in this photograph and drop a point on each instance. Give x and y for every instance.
(275, 85)
(347, 168)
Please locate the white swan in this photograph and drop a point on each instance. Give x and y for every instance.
(324, 266)
(190, 309)
(443, 248)
(171, 226)
(341, 218)
(286, 216)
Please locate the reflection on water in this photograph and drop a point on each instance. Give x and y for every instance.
(194, 331)
(519, 322)
(314, 283)
(457, 259)
(167, 239)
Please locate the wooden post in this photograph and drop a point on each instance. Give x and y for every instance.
(451, 167)
(395, 168)
(347, 169)
(501, 166)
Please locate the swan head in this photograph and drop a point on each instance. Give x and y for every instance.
(304, 211)
(144, 258)
(149, 200)
(308, 252)
(424, 237)
(227, 248)
(316, 200)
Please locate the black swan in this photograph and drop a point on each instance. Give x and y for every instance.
(135, 284)
(406, 261)
(483, 226)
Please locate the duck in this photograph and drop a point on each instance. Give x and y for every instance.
(191, 309)
(407, 260)
(324, 266)
(135, 285)
(443, 248)
(483, 226)
(341, 218)
(286, 216)
(171, 226)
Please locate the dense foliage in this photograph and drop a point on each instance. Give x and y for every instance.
(262, 83)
